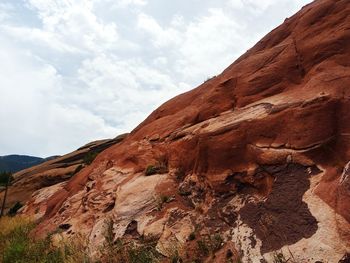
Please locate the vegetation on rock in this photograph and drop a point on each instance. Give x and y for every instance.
(160, 167)
(90, 157)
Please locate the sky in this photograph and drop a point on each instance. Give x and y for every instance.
(74, 71)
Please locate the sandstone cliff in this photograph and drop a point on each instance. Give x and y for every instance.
(259, 155)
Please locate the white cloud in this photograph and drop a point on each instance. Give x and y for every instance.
(126, 3)
(236, 4)
(47, 40)
(212, 40)
(253, 5)
(203, 47)
(5, 11)
(124, 91)
(75, 24)
(259, 5)
(34, 121)
(161, 37)
(262, 6)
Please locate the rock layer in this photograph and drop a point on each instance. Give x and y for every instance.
(259, 155)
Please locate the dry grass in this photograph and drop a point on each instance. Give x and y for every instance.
(17, 245)
(9, 224)
(128, 251)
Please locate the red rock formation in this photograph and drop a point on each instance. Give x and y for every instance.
(53, 172)
(259, 154)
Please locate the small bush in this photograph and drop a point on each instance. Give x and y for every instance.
(209, 244)
(150, 170)
(90, 157)
(163, 199)
(278, 257)
(216, 242)
(160, 167)
(127, 251)
(175, 258)
(203, 247)
(156, 169)
(142, 254)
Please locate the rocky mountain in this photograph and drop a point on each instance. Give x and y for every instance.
(15, 163)
(256, 159)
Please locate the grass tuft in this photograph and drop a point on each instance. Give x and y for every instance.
(17, 245)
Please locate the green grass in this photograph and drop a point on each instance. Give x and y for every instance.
(161, 167)
(16, 245)
(150, 170)
(129, 252)
(156, 169)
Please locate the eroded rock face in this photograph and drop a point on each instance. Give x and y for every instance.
(258, 155)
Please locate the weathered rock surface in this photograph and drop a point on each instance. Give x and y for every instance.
(52, 172)
(259, 155)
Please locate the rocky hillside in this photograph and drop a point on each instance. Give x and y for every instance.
(54, 171)
(252, 164)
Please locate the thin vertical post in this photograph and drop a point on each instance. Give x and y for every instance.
(5, 196)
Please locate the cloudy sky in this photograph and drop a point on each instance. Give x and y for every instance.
(73, 71)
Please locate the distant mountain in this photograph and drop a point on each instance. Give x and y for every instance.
(15, 163)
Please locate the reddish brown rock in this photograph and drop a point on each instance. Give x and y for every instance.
(258, 154)
(55, 171)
